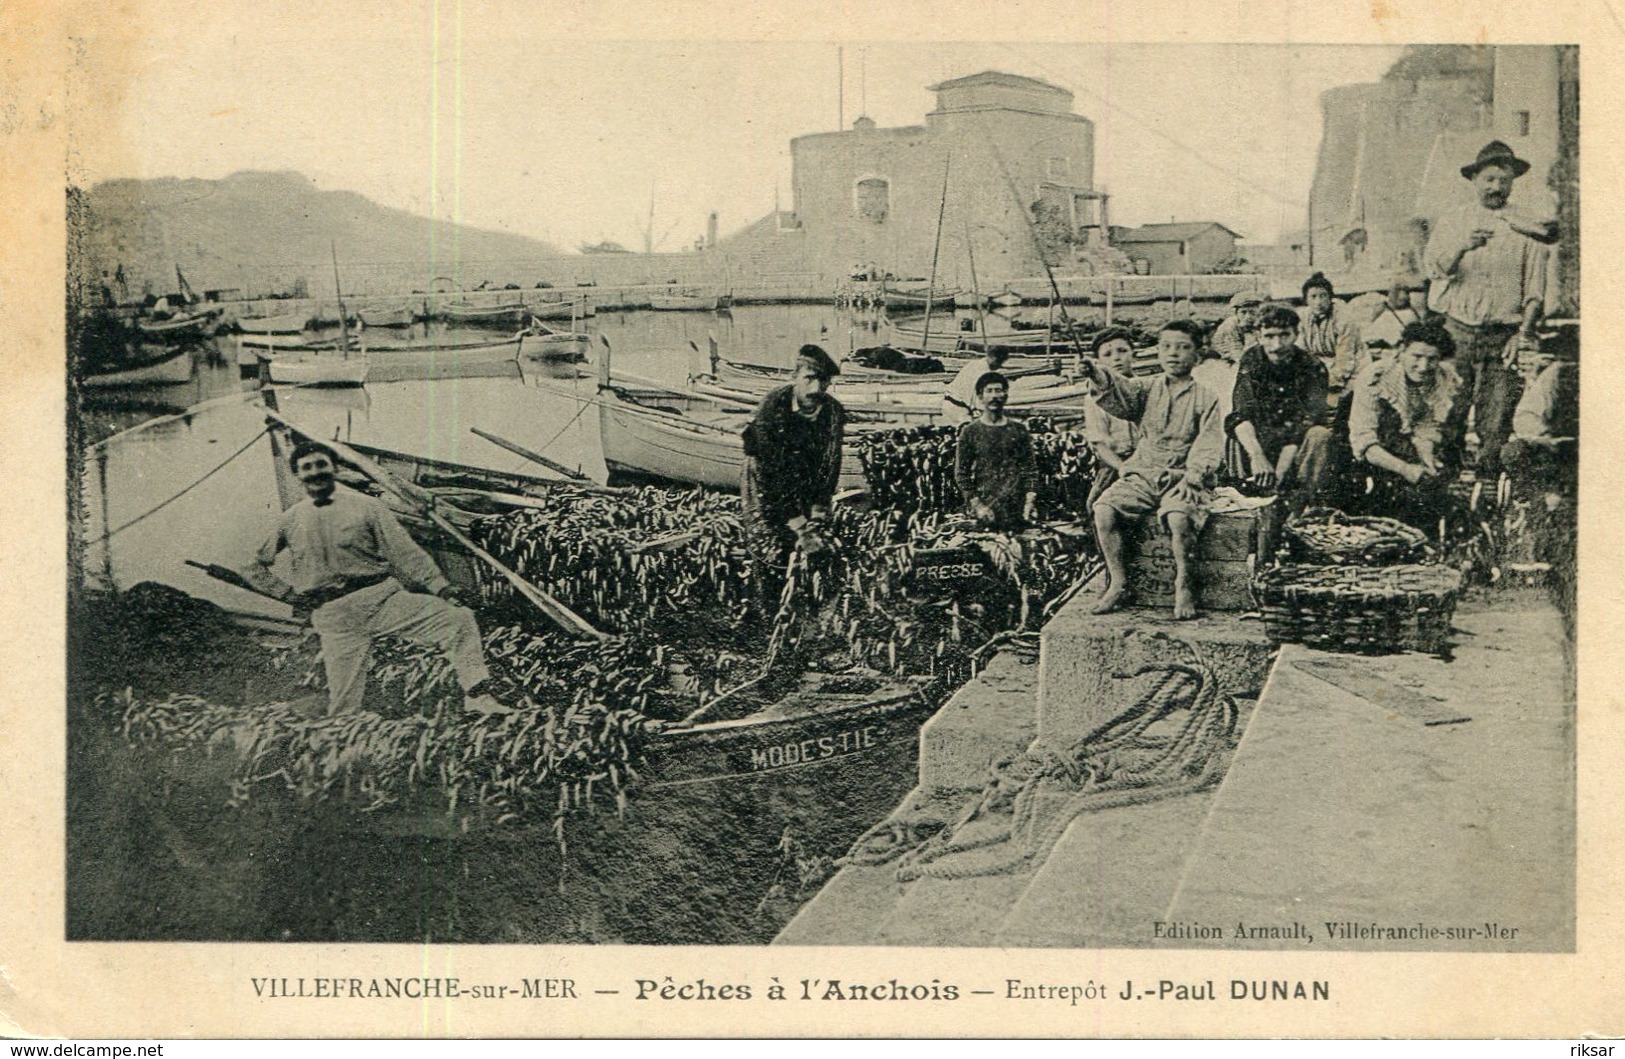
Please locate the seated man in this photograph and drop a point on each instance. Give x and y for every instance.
(1403, 305)
(1328, 331)
(1406, 428)
(994, 465)
(1181, 444)
(1540, 458)
(1279, 415)
(1110, 439)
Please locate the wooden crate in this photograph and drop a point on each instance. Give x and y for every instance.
(1222, 570)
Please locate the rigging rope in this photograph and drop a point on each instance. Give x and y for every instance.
(110, 534)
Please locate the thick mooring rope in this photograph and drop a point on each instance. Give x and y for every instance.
(1122, 763)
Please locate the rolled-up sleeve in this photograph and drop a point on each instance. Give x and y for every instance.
(1363, 415)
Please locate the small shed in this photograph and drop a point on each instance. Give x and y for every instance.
(1178, 249)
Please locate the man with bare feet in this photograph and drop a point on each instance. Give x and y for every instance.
(1181, 444)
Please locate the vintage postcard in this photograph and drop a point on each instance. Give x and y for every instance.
(546, 520)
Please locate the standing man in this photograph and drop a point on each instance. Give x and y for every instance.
(1181, 444)
(792, 467)
(1327, 330)
(1488, 263)
(994, 465)
(959, 401)
(360, 576)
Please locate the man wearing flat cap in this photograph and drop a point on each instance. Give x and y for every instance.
(792, 465)
(1488, 263)
(1239, 330)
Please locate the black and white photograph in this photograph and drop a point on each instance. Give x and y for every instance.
(706, 513)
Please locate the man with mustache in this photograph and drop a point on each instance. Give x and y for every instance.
(1488, 262)
(994, 465)
(360, 575)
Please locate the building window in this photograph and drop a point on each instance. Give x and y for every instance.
(1058, 169)
(872, 200)
(1523, 123)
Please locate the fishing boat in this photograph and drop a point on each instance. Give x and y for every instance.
(276, 344)
(281, 324)
(315, 367)
(182, 327)
(507, 316)
(579, 307)
(685, 300)
(397, 361)
(544, 343)
(398, 316)
(916, 299)
(143, 366)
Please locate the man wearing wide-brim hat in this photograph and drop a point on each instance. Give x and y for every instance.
(1488, 262)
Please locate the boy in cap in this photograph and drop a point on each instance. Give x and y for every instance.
(1239, 330)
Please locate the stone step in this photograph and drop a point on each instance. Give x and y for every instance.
(991, 717)
(1081, 652)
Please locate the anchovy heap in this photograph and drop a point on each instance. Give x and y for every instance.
(912, 469)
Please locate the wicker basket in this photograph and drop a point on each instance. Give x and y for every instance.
(1328, 537)
(1359, 608)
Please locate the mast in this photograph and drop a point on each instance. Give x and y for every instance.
(936, 247)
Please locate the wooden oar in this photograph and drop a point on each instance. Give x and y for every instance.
(534, 457)
(557, 612)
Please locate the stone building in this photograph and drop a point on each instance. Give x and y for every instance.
(1391, 153)
(1179, 249)
(868, 199)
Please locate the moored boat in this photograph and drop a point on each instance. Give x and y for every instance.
(685, 300)
(396, 316)
(182, 327)
(915, 299)
(150, 366)
(281, 324)
(542, 343)
(315, 368)
(509, 316)
(580, 307)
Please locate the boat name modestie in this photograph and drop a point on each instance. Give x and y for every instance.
(806, 750)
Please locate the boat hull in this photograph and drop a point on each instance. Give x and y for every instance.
(284, 324)
(699, 303)
(175, 367)
(310, 369)
(402, 316)
(496, 316)
(570, 346)
(578, 309)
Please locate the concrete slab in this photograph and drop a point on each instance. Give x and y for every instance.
(991, 717)
(1080, 652)
(1344, 812)
(1110, 877)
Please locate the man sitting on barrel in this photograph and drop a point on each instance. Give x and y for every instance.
(1406, 428)
(1181, 444)
(1278, 416)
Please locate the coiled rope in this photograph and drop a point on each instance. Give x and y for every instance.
(1029, 800)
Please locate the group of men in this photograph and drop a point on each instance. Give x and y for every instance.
(1295, 406)
(1369, 418)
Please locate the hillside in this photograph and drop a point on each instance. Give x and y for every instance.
(263, 231)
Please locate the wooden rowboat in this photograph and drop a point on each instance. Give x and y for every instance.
(282, 324)
(399, 316)
(578, 308)
(509, 316)
(309, 368)
(687, 300)
(540, 343)
(160, 366)
(183, 327)
(834, 721)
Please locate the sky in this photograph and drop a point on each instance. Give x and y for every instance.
(485, 118)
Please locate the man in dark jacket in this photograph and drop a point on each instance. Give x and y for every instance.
(792, 465)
